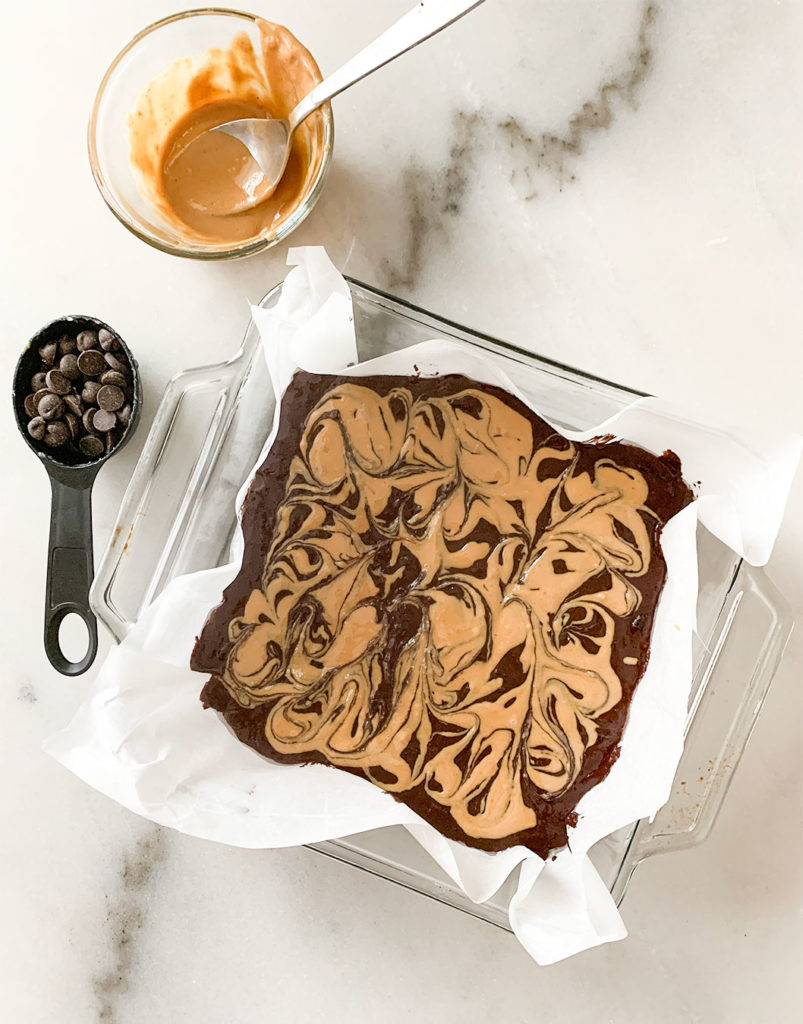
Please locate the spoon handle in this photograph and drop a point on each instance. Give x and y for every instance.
(70, 567)
(426, 19)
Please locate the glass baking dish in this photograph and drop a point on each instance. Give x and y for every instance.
(178, 516)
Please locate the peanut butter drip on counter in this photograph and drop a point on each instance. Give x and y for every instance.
(439, 602)
(194, 179)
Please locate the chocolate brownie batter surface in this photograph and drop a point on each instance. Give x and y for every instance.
(443, 595)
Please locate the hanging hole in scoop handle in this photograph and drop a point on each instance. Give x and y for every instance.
(70, 567)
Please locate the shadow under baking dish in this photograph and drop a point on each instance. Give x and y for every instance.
(178, 517)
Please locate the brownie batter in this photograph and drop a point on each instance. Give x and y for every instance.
(441, 594)
(196, 180)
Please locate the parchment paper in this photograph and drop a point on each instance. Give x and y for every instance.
(144, 739)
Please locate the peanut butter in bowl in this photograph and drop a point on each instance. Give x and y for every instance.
(195, 179)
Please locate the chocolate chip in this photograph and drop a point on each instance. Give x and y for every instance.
(38, 381)
(50, 407)
(67, 345)
(87, 340)
(116, 364)
(69, 366)
(36, 428)
(104, 420)
(90, 392)
(74, 404)
(91, 363)
(110, 398)
(113, 377)
(57, 434)
(111, 441)
(124, 415)
(74, 423)
(57, 382)
(91, 446)
(107, 340)
(30, 406)
(87, 419)
(39, 395)
(47, 353)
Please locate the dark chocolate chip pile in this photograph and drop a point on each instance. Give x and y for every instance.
(80, 400)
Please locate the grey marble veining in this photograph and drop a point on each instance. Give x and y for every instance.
(534, 160)
(127, 909)
(555, 153)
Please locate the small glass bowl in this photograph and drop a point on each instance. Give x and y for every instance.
(148, 54)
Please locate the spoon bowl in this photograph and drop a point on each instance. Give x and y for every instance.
(70, 565)
(268, 142)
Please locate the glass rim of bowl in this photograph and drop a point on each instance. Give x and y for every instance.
(240, 249)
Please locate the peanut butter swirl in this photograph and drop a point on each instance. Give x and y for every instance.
(442, 603)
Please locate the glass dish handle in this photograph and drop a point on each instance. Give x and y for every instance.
(753, 628)
(158, 502)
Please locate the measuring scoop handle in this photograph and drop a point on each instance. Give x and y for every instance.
(70, 567)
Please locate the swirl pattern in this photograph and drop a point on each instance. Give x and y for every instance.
(440, 603)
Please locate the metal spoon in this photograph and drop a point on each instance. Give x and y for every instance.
(268, 140)
(70, 565)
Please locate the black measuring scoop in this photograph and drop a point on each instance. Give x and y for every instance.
(74, 426)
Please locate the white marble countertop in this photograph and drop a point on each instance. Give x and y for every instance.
(615, 185)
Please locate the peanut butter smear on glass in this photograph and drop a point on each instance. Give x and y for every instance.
(192, 179)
